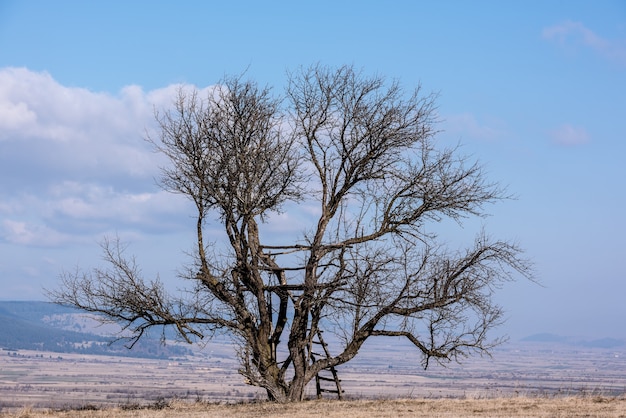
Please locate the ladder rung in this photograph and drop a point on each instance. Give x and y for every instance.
(331, 390)
(328, 379)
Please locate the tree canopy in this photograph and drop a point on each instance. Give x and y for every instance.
(361, 151)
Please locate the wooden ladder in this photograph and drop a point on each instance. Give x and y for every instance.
(319, 379)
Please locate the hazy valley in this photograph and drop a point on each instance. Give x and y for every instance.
(54, 357)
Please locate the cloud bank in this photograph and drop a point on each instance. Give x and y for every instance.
(574, 34)
(469, 126)
(568, 135)
(75, 166)
(74, 163)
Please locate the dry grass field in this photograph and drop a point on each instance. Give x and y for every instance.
(432, 408)
(519, 381)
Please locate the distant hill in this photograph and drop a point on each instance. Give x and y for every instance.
(575, 341)
(49, 327)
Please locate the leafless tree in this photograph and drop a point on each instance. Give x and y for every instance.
(370, 264)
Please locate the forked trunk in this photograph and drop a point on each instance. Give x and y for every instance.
(296, 389)
(284, 392)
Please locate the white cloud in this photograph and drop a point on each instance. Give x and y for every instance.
(46, 127)
(14, 116)
(467, 125)
(30, 234)
(75, 166)
(568, 135)
(89, 201)
(572, 34)
(74, 163)
(50, 111)
(66, 131)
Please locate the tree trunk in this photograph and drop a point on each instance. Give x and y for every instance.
(296, 389)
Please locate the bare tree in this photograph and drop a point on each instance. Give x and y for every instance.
(370, 265)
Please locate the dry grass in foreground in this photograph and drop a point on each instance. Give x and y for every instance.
(605, 407)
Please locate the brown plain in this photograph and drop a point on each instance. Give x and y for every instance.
(521, 380)
(433, 408)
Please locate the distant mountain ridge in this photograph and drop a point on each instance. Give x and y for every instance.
(606, 342)
(46, 326)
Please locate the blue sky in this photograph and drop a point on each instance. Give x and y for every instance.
(536, 90)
